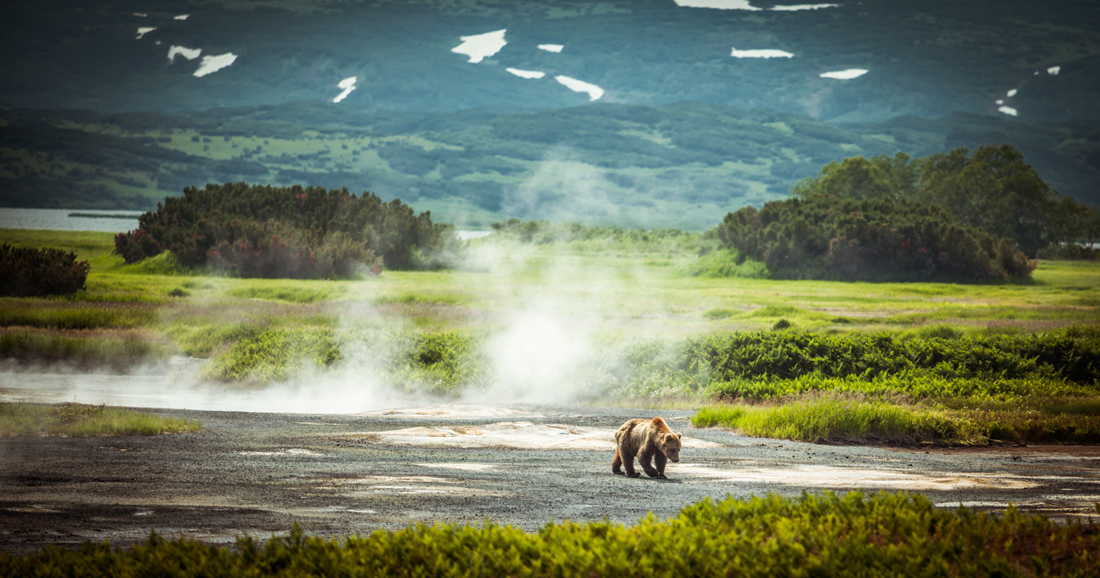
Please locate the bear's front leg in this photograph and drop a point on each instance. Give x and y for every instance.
(628, 465)
(660, 460)
(647, 466)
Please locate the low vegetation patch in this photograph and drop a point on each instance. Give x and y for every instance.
(443, 363)
(813, 535)
(75, 419)
(79, 348)
(841, 419)
(65, 315)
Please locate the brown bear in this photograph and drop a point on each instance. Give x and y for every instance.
(647, 440)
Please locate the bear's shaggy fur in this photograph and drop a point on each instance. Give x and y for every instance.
(647, 440)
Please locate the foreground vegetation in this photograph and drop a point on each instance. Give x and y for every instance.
(75, 419)
(814, 535)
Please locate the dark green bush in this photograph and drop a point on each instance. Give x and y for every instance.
(825, 237)
(29, 272)
(264, 231)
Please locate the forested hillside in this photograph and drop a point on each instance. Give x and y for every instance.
(681, 165)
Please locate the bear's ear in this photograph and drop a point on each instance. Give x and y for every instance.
(678, 436)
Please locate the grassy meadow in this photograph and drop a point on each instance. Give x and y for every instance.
(621, 318)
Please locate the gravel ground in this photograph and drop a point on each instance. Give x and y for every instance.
(259, 473)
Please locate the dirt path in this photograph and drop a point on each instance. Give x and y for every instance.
(258, 473)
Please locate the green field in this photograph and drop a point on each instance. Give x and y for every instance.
(620, 318)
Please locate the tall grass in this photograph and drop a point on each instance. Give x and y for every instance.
(78, 348)
(841, 419)
(73, 419)
(64, 315)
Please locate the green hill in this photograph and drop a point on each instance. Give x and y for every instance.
(683, 165)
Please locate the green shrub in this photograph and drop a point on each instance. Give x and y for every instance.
(30, 272)
(727, 263)
(813, 535)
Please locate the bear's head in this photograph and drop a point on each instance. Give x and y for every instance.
(670, 446)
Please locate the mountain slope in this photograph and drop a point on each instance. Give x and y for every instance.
(924, 58)
(683, 165)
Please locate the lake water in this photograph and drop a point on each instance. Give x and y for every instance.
(60, 220)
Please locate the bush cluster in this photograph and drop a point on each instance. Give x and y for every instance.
(30, 272)
(991, 188)
(824, 237)
(813, 535)
(749, 364)
(264, 231)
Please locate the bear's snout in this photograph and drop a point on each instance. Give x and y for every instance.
(676, 459)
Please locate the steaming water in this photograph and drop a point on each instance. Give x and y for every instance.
(1012, 93)
(1008, 110)
(178, 386)
(551, 47)
(760, 53)
(481, 46)
(144, 30)
(182, 17)
(212, 64)
(1054, 70)
(59, 220)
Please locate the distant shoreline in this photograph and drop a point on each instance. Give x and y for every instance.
(102, 216)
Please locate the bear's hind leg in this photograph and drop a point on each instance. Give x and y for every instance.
(628, 465)
(617, 463)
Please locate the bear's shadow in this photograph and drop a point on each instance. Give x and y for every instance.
(645, 478)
